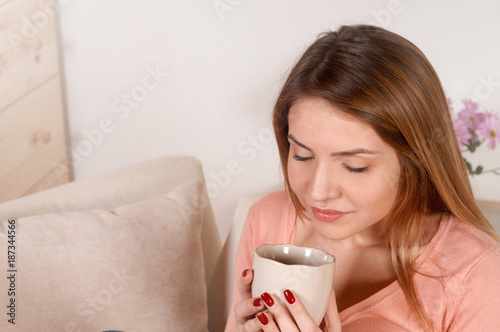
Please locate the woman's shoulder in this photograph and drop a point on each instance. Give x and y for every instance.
(271, 219)
(460, 269)
(473, 291)
(463, 247)
(273, 213)
(470, 236)
(275, 202)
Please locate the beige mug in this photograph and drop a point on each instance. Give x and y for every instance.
(307, 272)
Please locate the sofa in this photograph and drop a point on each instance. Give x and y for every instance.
(136, 249)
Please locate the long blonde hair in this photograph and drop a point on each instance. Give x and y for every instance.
(384, 80)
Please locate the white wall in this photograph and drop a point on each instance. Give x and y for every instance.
(220, 70)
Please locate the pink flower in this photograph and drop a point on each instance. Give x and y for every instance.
(470, 105)
(490, 129)
(462, 131)
(472, 119)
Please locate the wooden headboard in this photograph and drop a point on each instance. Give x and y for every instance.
(33, 127)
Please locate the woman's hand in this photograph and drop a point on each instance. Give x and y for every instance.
(246, 309)
(248, 318)
(279, 319)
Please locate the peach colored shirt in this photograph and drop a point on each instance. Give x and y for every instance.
(467, 259)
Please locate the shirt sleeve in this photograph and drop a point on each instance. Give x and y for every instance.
(477, 306)
(269, 220)
(243, 261)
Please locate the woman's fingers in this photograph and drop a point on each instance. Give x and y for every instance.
(267, 323)
(245, 284)
(280, 316)
(332, 318)
(253, 325)
(246, 309)
(299, 313)
(292, 318)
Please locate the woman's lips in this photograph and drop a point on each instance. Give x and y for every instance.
(327, 215)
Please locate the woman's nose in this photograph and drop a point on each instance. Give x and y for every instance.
(324, 185)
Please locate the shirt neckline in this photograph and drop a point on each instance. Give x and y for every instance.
(394, 287)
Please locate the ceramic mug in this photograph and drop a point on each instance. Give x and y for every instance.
(307, 272)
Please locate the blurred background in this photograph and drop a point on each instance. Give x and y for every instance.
(143, 79)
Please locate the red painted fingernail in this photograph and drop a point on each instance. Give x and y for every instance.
(245, 272)
(256, 303)
(289, 296)
(267, 299)
(263, 319)
(261, 330)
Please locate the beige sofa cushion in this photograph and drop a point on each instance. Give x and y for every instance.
(138, 267)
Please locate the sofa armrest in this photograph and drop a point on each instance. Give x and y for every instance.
(221, 287)
(124, 186)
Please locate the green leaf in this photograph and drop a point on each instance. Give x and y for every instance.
(479, 169)
(473, 145)
(469, 167)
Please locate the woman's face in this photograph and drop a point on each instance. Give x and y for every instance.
(343, 173)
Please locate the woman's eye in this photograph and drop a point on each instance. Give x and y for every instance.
(299, 158)
(356, 170)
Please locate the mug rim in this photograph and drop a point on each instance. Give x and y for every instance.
(331, 259)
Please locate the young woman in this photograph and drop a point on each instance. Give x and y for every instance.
(374, 176)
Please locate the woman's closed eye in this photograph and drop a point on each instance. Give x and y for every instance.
(355, 169)
(349, 168)
(300, 158)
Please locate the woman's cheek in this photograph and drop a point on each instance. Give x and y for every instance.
(295, 178)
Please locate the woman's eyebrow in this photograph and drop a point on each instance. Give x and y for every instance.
(353, 152)
(334, 154)
(290, 137)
